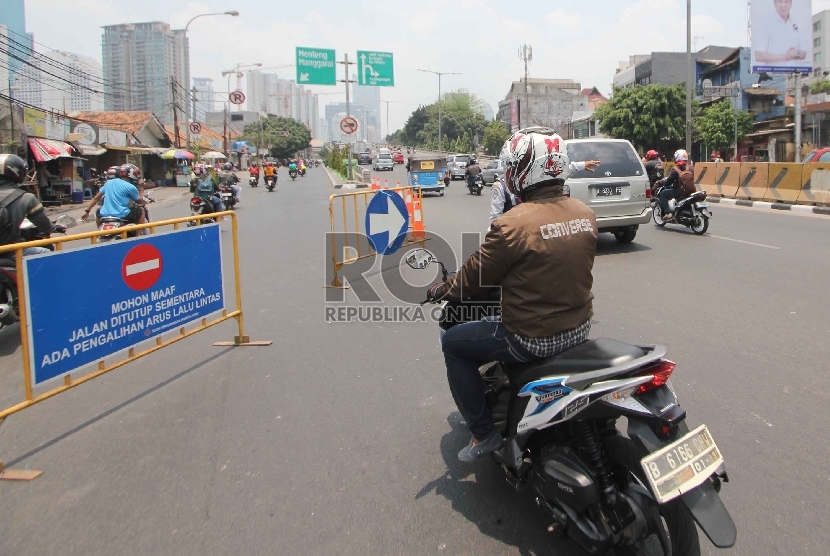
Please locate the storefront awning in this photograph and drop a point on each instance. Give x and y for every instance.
(45, 150)
(91, 150)
(137, 150)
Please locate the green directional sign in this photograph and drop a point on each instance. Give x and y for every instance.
(375, 69)
(316, 66)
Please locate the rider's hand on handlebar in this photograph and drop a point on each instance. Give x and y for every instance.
(434, 293)
(60, 228)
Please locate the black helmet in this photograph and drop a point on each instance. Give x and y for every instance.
(13, 168)
(227, 166)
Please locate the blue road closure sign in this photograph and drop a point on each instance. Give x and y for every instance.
(386, 222)
(124, 293)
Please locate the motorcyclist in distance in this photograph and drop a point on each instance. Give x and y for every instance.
(654, 167)
(227, 177)
(472, 170)
(678, 184)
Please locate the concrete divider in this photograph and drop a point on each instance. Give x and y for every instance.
(753, 181)
(727, 178)
(815, 183)
(784, 184)
(705, 174)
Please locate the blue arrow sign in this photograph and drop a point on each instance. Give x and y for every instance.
(386, 222)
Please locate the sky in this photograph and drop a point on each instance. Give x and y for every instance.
(583, 40)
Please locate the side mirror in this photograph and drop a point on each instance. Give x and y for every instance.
(419, 259)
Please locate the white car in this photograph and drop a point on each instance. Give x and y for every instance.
(616, 190)
(383, 161)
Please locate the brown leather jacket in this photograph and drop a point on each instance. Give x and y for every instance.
(541, 253)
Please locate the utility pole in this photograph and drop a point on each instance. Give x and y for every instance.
(689, 76)
(439, 74)
(526, 55)
(346, 65)
(798, 116)
(176, 141)
(225, 133)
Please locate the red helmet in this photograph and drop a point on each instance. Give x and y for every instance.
(129, 172)
(651, 155)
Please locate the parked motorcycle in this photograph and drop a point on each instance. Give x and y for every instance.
(253, 181)
(9, 302)
(270, 183)
(691, 212)
(605, 490)
(476, 185)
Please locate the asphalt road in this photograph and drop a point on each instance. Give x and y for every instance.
(342, 438)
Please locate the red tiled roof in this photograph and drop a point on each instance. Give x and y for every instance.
(128, 122)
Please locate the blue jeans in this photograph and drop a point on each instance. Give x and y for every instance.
(468, 346)
(665, 195)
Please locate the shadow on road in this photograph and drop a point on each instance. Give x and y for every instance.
(9, 340)
(480, 493)
(608, 245)
(118, 407)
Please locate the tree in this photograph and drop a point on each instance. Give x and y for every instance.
(495, 134)
(716, 125)
(651, 117)
(283, 145)
(460, 116)
(821, 86)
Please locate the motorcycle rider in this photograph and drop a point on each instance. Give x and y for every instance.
(123, 197)
(19, 205)
(654, 167)
(473, 170)
(292, 167)
(541, 255)
(680, 183)
(226, 176)
(270, 171)
(208, 191)
(254, 170)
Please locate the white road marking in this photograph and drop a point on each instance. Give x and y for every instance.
(745, 242)
(142, 267)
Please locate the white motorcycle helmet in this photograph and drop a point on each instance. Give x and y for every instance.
(681, 155)
(532, 157)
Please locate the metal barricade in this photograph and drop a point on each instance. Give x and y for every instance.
(361, 248)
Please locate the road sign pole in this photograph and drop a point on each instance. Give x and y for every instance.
(346, 64)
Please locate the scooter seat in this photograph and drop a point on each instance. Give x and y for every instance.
(592, 355)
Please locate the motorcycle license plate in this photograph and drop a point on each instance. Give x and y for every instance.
(612, 191)
(682, 465)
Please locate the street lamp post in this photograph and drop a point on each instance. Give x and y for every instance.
(439, 74)
(230, 72)
(689, 76)
(388, 131)
(232, 13)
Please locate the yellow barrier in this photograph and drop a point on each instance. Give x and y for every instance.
(753, 181)
(784, 182)
(728, 176)
(815, 183)
(348, 229)
(705, 174)
(240, 340)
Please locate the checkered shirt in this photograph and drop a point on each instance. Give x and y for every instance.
(548, 346)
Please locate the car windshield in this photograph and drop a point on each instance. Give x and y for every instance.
(462, 159)
(808, 157)
(617, 159)
(385, 156)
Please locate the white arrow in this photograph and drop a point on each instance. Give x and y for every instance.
(303, 77)
(391, 222)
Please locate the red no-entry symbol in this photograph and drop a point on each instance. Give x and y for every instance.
(142, 267)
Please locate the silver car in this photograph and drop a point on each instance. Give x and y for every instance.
(383, 161)
(616, 190)
(493, 169)
(457, 164)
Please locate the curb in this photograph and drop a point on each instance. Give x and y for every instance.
(771, 206)
(336, 185)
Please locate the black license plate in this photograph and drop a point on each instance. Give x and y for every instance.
(611, 191)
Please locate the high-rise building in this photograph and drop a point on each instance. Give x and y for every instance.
(204, 97)
(5, 80)
(20, 43)
(284, 98)
(139, 60)
(367, 97)
(61, 81)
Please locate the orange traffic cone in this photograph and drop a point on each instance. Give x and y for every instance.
(375, 184)
(398, 184)
(407, 196)
(417, 218)
(386, 184)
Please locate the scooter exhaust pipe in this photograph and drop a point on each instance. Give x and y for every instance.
(7, 314)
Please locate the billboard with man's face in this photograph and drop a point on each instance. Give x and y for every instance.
(782, 36)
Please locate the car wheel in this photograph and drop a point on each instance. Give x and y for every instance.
(626, 236)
